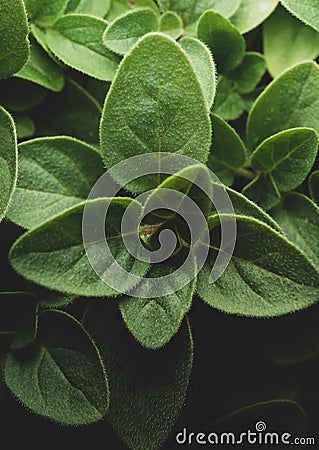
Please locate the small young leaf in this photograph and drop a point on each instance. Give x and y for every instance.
(155, 383)
(170, 23)
(45, 12)
(228, 104)
(290, 101)
(249, 73)
(73, 112)
(203, 66)
(308, 11)
(252, 13)
(119, 7)
(24, 125)
(40, 69)
(299, 218)
(228, 152)
(53, 255)
(54, 174)
(287, 41)
(154, 321)
(14, 44)
(155, 104)
(288, 156)
(267, 276)
(263, 190)
(314, 186)
(224, 40)
(54, 377)
(8, 160)
(122, 34)
(97, 8)
(190, 11)
(82, 51)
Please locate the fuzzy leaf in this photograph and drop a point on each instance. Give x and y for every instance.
(267, 276)
(314, 186)
(45, 12)
(288, 156)
(308, 11)
(154, 383)
(299, 218)
(119, 7)
(228, 103)
(97, 8)
(263, 190)
(53, 254)
(224, 40)
(228, 153)
(122, 34)
(80, 50)
(54, 377)
(287, 41)
(290, 101)
(8, 160)
(252, 13)
(154, 321)
(54, 174)
(203, 66)
(155, 104)
(170, 23)
(249, 73)
(14, 44)
(41, 70)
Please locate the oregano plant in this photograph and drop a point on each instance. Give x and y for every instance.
(159, 209)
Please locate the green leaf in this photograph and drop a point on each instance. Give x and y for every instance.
(252, 13)
(203, 66)
(54, 378)
(8, 160)
(73, 112)
(190, 10)
(155, 104)
(14, 44)
(45, 12)
(228, 104)
(82, 51)
(24, 125)
(290, 101)
(119, 7)
(288, 156)
(170, 23)
(224, 40)
(122, 34)
(54, 174)
(40, 69)
(228, 153)
(53, 255)
(267, 276)
(154, 321)
(308, 11)
(287, 41)
(245, 207)
(249, 73)
(97, 8)
(280, 415)
(263, 190)
(314, 186)
(299, 218)
(155, 383)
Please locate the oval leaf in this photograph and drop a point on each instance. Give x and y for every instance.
(252, 13)
(54, 174)
(54, 377)
(170, 23)
(82, 51)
